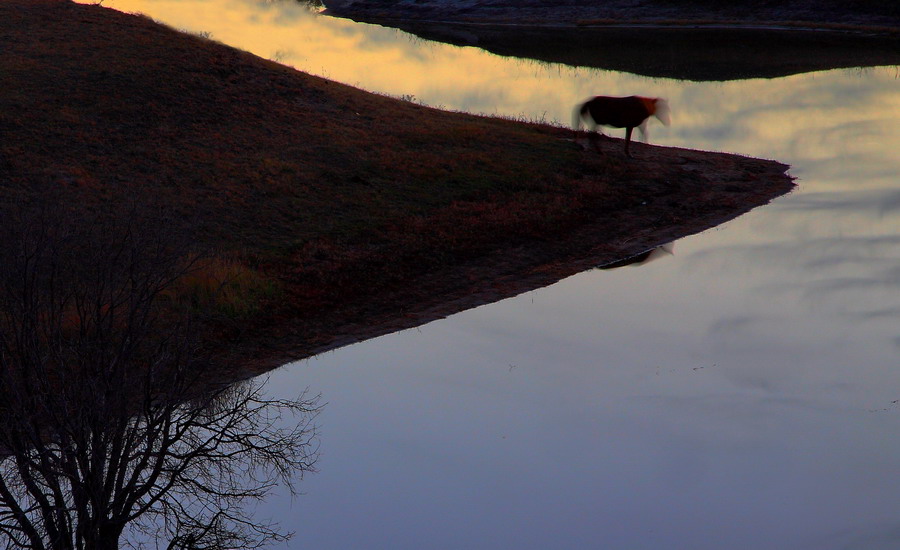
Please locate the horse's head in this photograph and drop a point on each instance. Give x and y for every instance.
(662, 111)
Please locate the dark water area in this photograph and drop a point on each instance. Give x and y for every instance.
(740, 390)
(684, 53)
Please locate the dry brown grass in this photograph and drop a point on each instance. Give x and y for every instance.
(223, 287)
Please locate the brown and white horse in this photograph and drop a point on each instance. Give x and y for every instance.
(620, 112)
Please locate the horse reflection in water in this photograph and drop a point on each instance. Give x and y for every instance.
(620, 112)
(643, 258)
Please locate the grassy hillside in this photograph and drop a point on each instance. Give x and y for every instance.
(326, 205)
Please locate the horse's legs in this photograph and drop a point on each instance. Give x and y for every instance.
(595, 140)
(628, 139)
(594, 134)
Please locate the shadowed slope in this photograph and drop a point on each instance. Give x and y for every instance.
(362, 209)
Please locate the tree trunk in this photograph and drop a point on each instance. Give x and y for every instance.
(108, 539)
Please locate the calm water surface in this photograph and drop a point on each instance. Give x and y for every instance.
(741, 393)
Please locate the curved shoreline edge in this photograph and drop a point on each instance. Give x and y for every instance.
(510, 271)
(809, 14)
(374, 214)
(697, 50)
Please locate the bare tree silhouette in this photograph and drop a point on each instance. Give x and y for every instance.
(112, 432)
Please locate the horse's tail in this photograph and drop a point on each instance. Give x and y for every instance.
(662, 111)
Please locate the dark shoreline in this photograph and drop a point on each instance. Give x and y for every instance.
(508, 271)
(865, 15)
(713, 51)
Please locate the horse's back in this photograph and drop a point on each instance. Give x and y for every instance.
(618, 112)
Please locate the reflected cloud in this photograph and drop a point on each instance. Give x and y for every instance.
(890, 279)
(853, 277)
(813, 253)
(877, 314)
(884, 202)
(730, 325)
(882, 536)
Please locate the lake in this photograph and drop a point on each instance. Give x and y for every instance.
(742, 391)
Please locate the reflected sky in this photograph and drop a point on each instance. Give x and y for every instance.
(740, 393)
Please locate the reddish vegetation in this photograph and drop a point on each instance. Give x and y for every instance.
(368, 213)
